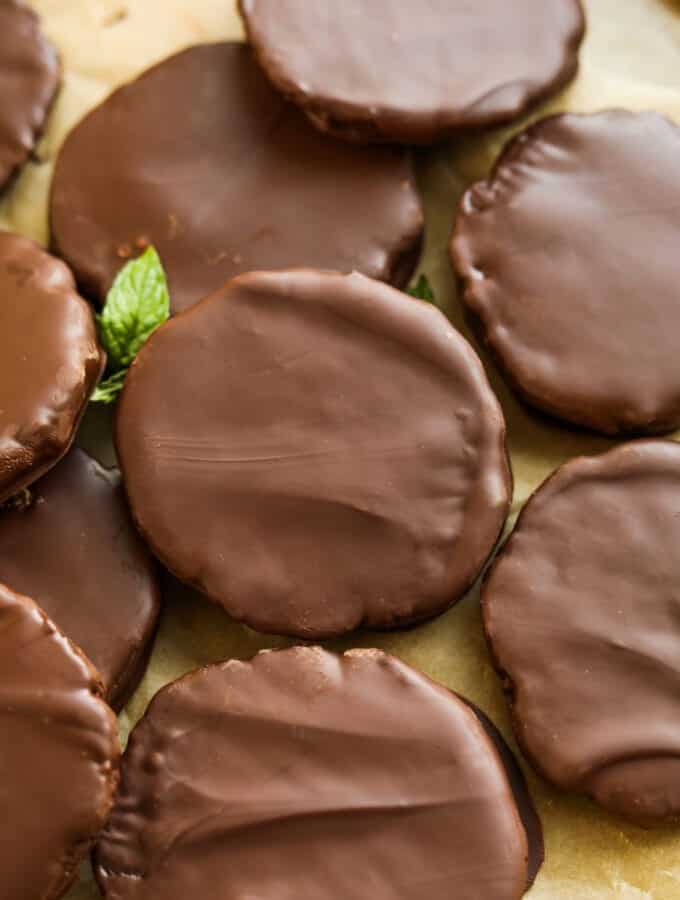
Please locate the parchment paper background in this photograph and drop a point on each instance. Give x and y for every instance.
(632, 59)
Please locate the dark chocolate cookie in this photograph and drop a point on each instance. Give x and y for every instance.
(49, 361)
(202, 158)
(569, 260)
(29, 79)
(58, 754)
(315, 452)
(75, 550)
(306, 775)
(401, 70)
(582, 612)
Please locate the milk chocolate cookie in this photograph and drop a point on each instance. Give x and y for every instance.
(75, 549)
(58, 754)
(399, 70)
(582, 612)
(569, 260)
(49, 361)
(202, 158)
(315, 452)
(294, 776)
(29, 79)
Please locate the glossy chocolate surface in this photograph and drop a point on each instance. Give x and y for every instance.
(306, 775)
(50, 361)
(569, 261)
(404, 71)
(315, 452)
(201, 157)
(58, 754)
(76, 551)
(582, 611)
(29, 78)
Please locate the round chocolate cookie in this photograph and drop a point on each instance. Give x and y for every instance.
(203, 159)
(582, 612)
(392, 70)
(315, 452)
(49, 361)
(75, 549)
(29, 79)
(569, 260)
(294, 775)
(58, 754)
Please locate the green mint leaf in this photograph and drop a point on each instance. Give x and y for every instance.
(107, 391)
(422, 290)
(136, 305)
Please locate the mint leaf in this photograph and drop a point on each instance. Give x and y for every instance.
(136, 305)
(107, 391)
(422, 290)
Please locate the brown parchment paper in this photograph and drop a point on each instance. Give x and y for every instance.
(632, 59)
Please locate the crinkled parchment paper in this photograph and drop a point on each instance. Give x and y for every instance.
(631, 59)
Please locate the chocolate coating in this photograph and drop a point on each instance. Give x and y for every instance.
(568, 256)
(315, 452)
(58, 754)
(76, 551)
(392, 70)
(304, 774)
(29, 79)
(582, 612)
(50, 361)
(525, 805)
(265, 192)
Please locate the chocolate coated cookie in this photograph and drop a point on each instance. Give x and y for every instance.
(75, 549)
(582, 612)
(414, 73)
(315, 452)
(201, 157)
(306, 775)
(58, 754)
(50, 361)
(29, 79)
(568, 258)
